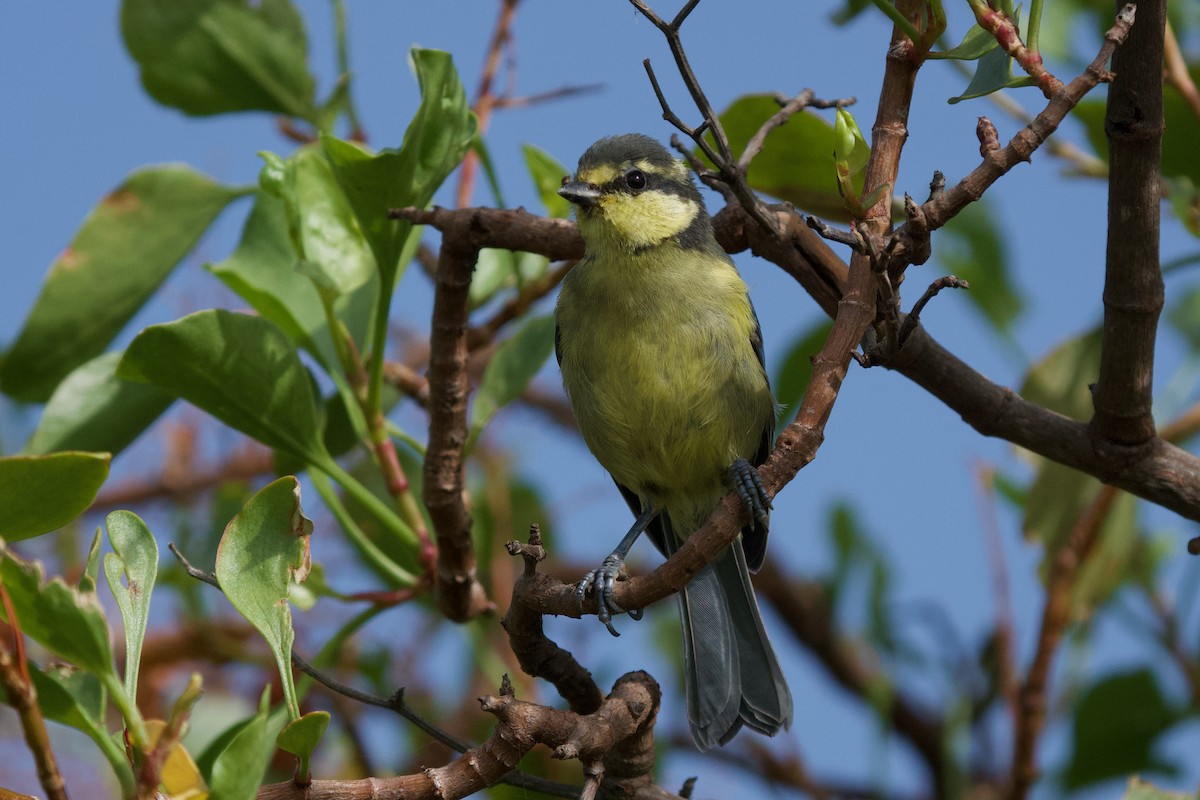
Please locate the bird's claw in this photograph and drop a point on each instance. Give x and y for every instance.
(749, 487)
(602, 581)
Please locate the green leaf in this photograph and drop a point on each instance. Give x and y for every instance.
(134, 556)
(975, 44)
(216, 56)
(795, 368)
(321, 223)
(1061, 380)
(497, 270)
(973, 248)
(64, 620)
(1179, 139)
(547, 174)
(1185, 203)
(241, 369)
(992, 73)
(857, 556)
(436, 141)
(93, 409)
(1116, 725)
(796, 163)
(300, 737)
(126, 248)
(511, 369)
(75, 698)
(1184, 316)
(40, 494)
(91, 566)
(237, 771)
(262, 270)
(265, 548)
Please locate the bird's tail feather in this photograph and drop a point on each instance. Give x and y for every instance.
(731, 674)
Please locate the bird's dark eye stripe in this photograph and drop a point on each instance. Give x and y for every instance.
(654, 181)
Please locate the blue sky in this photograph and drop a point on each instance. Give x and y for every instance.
(78, 122)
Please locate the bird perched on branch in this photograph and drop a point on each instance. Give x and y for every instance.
(661, 356)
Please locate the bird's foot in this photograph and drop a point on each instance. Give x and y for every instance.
(749, 487)
(602, 581)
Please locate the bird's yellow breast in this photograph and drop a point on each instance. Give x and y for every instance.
(656, 356)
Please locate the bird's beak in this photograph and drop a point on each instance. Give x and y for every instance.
(581, 194)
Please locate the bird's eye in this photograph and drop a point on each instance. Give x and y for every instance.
(635, 179)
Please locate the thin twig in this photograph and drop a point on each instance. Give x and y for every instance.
(22, 696)
(914, 316)
(484, 96)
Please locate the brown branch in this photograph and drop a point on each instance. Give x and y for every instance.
(625, 719)
(804, 608)
(247, 462)
(1009, 38)
(1056, 615)
(518, 304)
(22, 696)
(1133, 283)
(459, 594)
(1175, 72)
(484, 98)
(1161, 473)
(940, 209)
(537, 654)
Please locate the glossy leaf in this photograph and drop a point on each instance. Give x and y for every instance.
(237, 771)
(241, 369)
(93, 409)
(975, 44)
(264, 549)
(512, 367)
(39, 494)
(993, 72)
(1116, 725)
(795, 368)
(216, 56)
(262, 270)
(134, 557)
(796, 163)
(973, 248)
(437, 138)
(323, 228)
(125, 249)
(301, 736)
(64, 620)
(547, 174)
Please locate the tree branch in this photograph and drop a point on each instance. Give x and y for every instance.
(625, 719)
(1133, 283)
(460, 596)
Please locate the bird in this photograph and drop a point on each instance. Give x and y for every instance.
(661, 357)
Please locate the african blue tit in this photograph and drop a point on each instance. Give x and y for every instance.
(661, 356)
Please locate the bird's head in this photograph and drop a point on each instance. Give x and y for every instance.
(631, 194)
